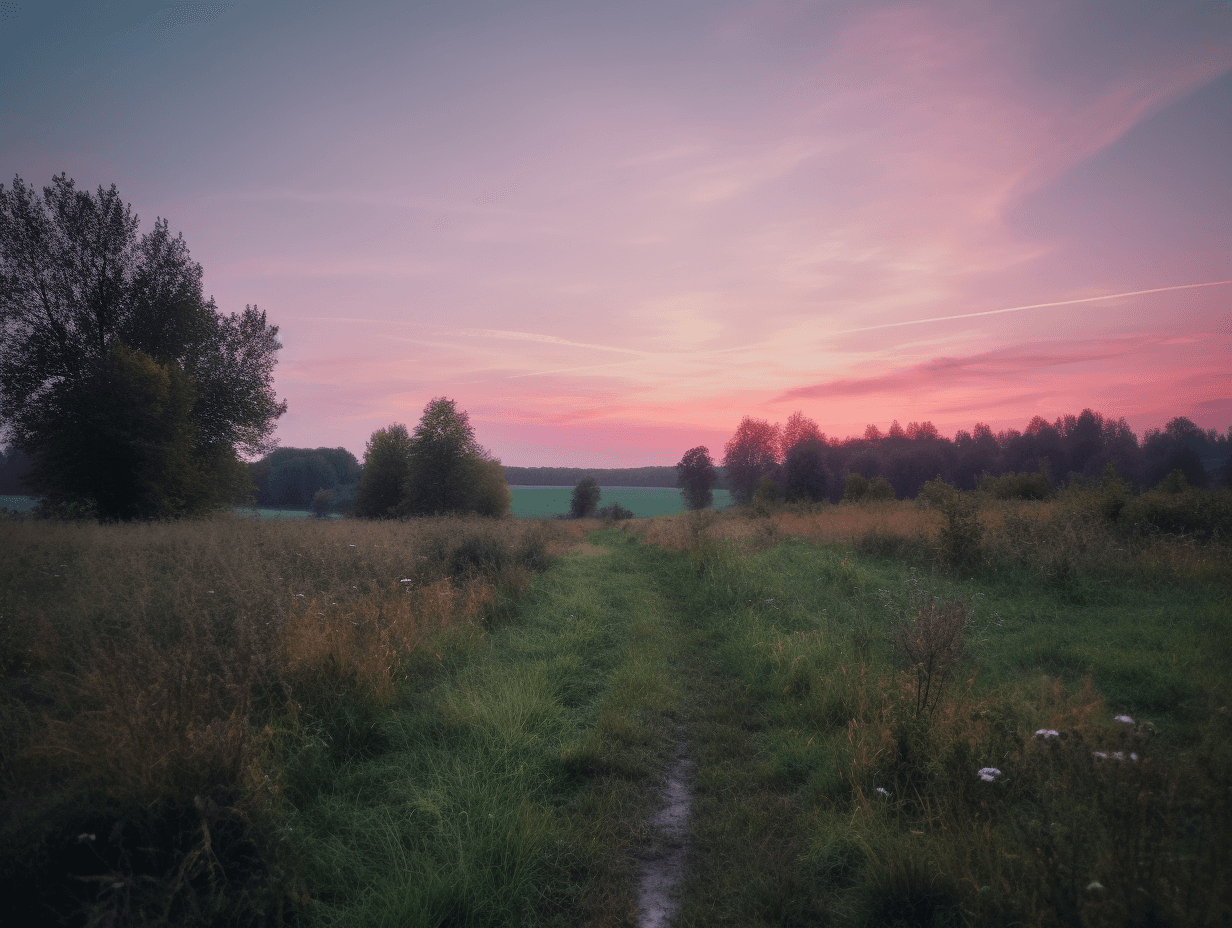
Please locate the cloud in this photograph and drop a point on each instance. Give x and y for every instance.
(941, 373)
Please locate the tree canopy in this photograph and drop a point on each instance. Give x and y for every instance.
(585, 498)
(437, 469)
(696, 477)
(132, 395)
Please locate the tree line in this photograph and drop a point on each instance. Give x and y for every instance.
(798, 461)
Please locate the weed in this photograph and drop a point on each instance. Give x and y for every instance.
(931, 643)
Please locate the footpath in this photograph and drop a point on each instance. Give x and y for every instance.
(592, 762)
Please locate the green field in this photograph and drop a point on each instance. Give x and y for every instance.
(528, 503)
(643, 502)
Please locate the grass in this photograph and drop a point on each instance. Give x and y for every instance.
(467, 721)
(643, 502)
(845, 790)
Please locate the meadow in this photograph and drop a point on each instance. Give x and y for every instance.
(468, 721)
(527, 503)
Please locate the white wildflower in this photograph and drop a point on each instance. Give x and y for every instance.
(1099, 755)
(883, 791)
(1124, 718)
(1047, 733)
(988, 774)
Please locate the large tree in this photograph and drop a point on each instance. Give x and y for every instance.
(382, 482)
(132, 395)
(696, 477)
(752, 453)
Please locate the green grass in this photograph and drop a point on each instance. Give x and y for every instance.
(509, 777)
(480, 802)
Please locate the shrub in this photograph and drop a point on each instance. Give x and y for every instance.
(931, 644)
(859, 489)
(854, 488)
(1018, 486)
(1205, 515)
(322, 500)
(961, 534)
(613, 512)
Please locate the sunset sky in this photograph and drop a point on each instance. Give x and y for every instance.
(609, 230)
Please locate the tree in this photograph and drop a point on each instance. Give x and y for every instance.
(585, 498)
(491, 495)
(89, 310)
(805, 472)
(754, 451)
(383, 480)
(798, 428)
(696, 477)
(442, 452)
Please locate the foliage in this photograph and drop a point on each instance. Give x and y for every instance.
(490, 494)
(287, 478)
(88, 310)
(1204, 515)
(585, 498)
(859, 489)
(1018, 486)
(930, 643)
(322, 502)
(440, 474)
(750, 454)
(383, 479)
(805, 472)
(961, 533)
(696, 477)
(169, 703)
(768, 490)
(613, 512)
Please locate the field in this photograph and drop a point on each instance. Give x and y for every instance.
(852, 718)
(528, 503)
(643, 502)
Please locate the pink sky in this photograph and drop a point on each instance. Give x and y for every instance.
(609, 231)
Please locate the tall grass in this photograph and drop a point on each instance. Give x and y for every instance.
(165, 684)
(1015, 793)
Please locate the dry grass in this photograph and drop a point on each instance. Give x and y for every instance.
(147, 666)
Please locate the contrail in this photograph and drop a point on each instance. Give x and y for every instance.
(1014, 309)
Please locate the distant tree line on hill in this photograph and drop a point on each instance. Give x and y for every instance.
(799, 461)
(604, 477)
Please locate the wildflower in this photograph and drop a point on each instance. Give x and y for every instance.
(1095, 886)
(883, 791)
(1099, 755)
(1124, 718)
(1047, 733)
(408, 580)
(83, 838)
(988, 774)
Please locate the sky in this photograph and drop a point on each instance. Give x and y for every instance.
(609, 231)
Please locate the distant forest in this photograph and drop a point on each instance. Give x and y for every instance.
(1071, 447)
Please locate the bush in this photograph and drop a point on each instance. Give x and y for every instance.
(961, 536)
(613, 512)
(1018, 486)
(1205, 515)
(322, 500)
(859, 489)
